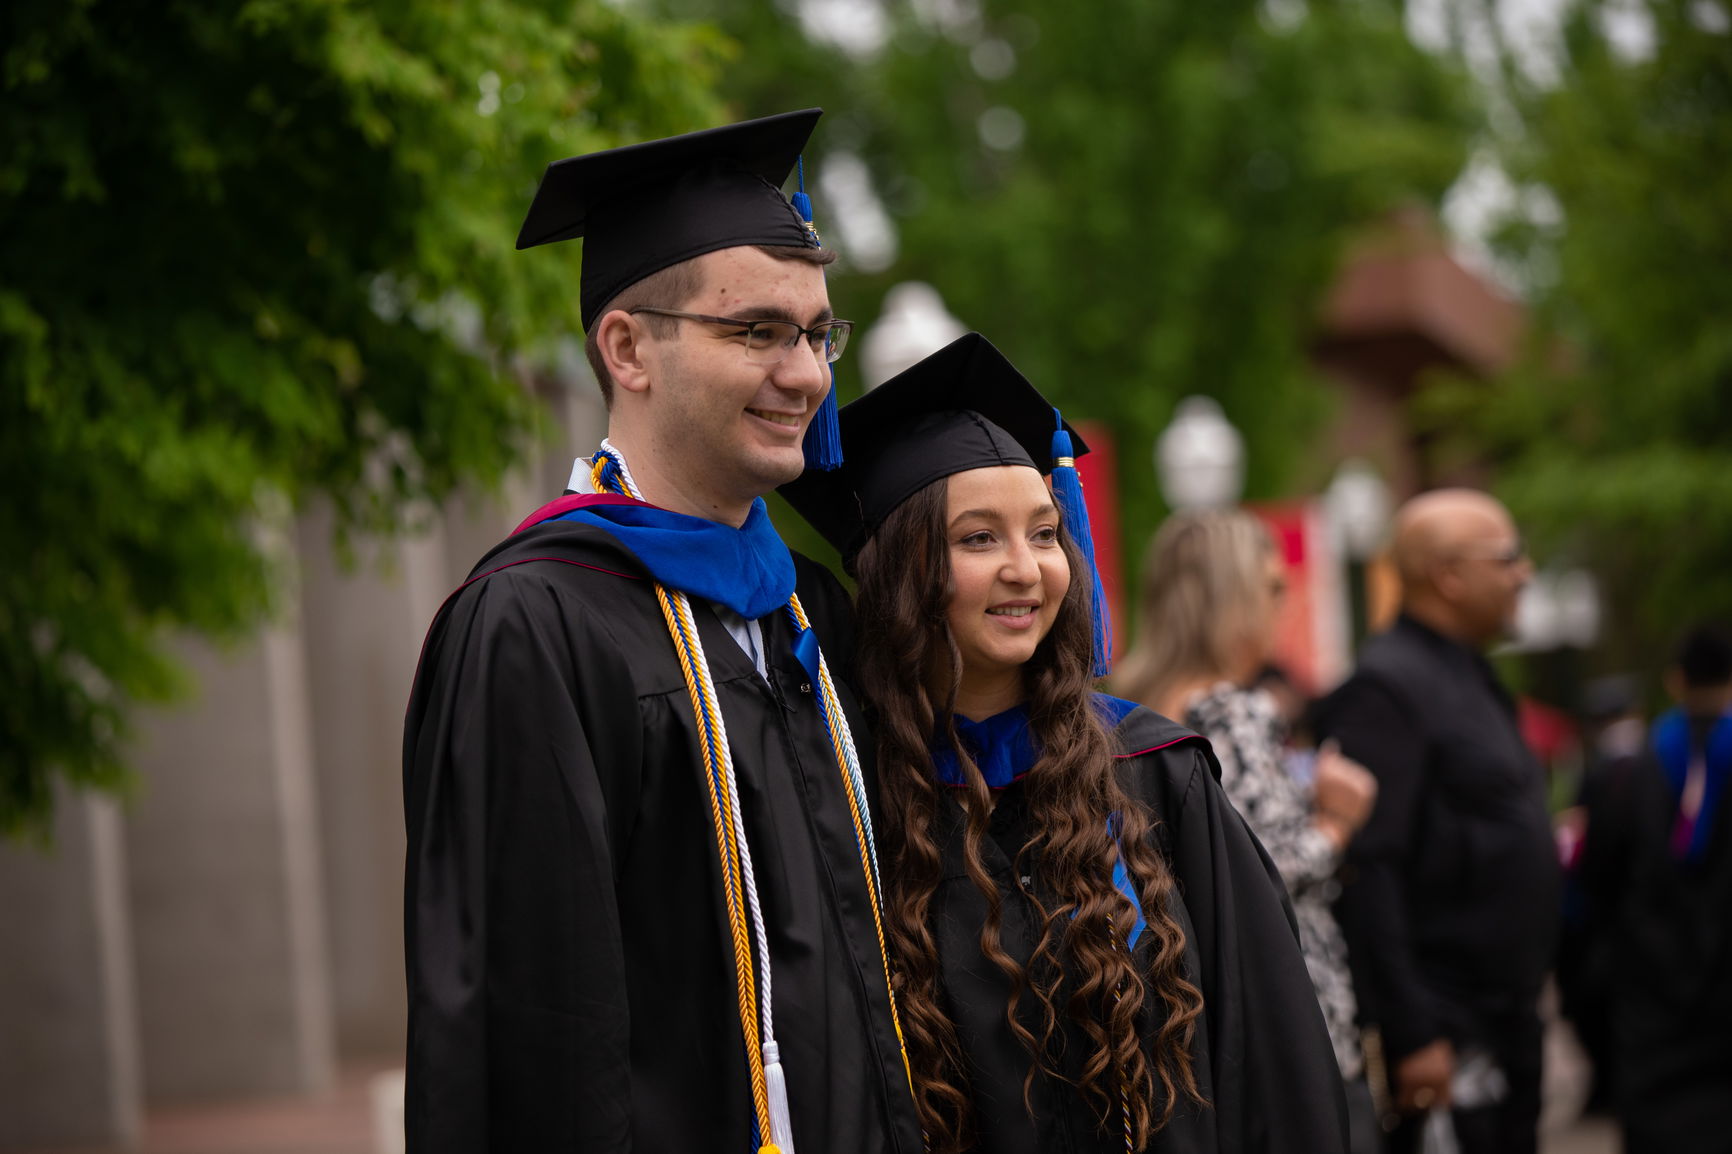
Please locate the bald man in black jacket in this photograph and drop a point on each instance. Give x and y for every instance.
(1450, 901)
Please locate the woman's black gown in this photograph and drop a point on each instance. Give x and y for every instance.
(1261, 1055)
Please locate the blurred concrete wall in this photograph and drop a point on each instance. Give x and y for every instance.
(235, 930)
(68, 1026)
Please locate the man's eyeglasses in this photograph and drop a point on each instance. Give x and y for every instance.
(1506, 555)
(769, 342)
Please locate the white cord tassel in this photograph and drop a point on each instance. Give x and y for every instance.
(781, 1127)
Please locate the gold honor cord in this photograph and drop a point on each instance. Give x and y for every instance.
(676, 610)
(739, 886)
(1125, 1094)
(1118, 996)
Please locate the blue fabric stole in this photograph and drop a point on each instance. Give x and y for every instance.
(1671, 740)
(1002, 746)
(748, 569)
(1004, 750)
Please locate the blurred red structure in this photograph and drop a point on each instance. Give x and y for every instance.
(1311, 636)
(1098, 472)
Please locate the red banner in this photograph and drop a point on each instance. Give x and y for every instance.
(1098, 472)
(1311, 638)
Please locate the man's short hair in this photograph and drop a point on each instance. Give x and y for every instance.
(673, 288)
(1705, 657)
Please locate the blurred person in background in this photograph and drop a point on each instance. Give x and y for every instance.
(1614, 745)
(1292, 704)
(1451, 892)
(1212, 587)
(1656, 868)
(1093, 953)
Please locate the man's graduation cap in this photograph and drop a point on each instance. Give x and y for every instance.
(645, 207)
(964, 407)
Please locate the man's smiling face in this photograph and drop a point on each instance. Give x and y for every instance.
(731, 427)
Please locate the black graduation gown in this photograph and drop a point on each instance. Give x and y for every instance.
(1667, 926)
(1262, 1055)
(569, 965)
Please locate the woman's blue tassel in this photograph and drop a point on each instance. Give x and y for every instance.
(1067, 491)
(823, 443)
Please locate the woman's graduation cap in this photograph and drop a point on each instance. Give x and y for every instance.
(645, 207)
(964, 407)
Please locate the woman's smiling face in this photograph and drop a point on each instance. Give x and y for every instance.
(1008, 572)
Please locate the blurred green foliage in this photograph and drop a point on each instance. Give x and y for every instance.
(1612, 440)
(250, 253)
(258, 252)
(1185, 180)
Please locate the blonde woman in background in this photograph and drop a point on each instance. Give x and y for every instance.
(1212, 587)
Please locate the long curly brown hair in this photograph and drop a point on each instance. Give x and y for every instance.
(1077, 972)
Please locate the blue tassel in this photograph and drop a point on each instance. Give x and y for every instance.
(1067, 491)
(803, 206)
(823, 443)
(802, 202)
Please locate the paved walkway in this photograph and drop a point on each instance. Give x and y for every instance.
(342, 1122)
(1562, 1129)
(339, 1122)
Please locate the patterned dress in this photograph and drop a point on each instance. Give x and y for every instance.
(1245, 730)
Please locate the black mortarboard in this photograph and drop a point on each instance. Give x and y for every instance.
(964, 407)
(646, 206)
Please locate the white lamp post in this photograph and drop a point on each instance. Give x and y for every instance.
(1356, 514)
(1200, 457)
(1356, 508)
(1578, 606)
(914, 325)
(1558, 609)
(1557, 618)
